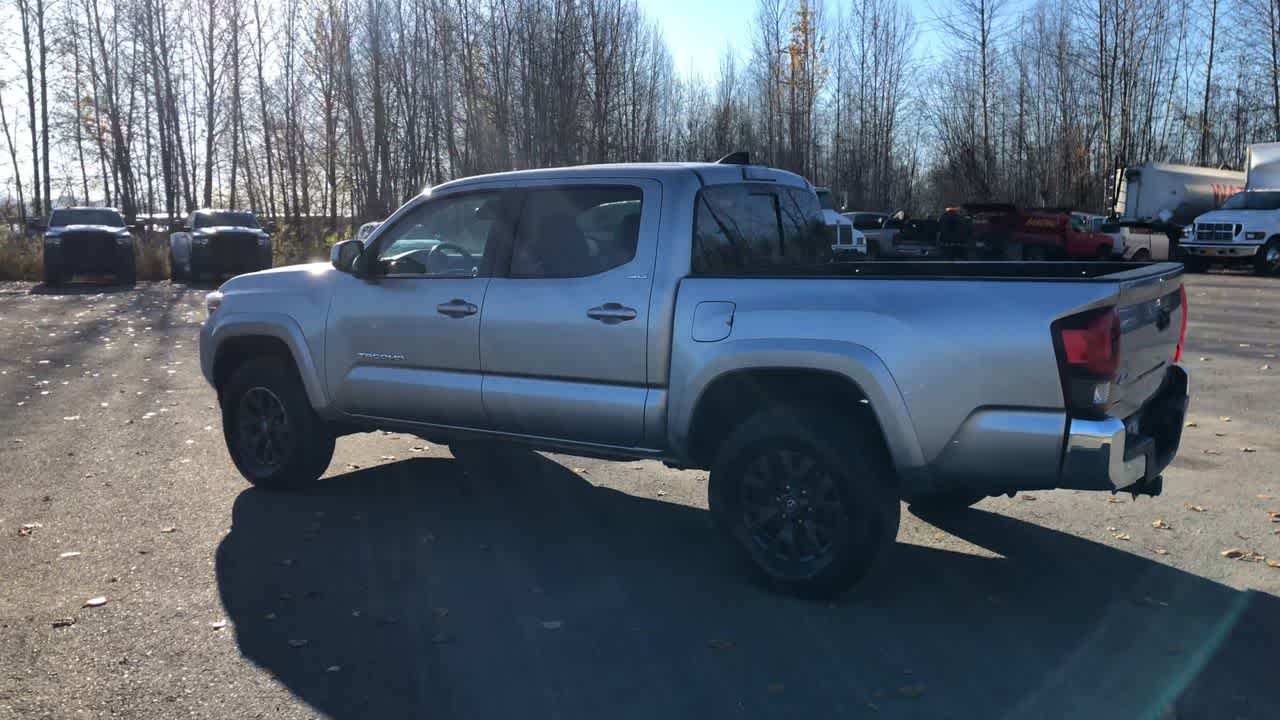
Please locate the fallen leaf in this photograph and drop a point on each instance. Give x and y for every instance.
(1025, 496)
(388, 457)
(168, 529)
(1191, 424)
(64, 622)
(1160, 524)
(297, 643)
(333, 668)
(1266, 367)
(580, 471)
(1273, 514)
(1211, 451)
(98, 601)
(1161, 551)
(218, 624)
(1122, 536)
(1111, 529)
(70, 554)
(720, 644)
(914, 690)
(1193, 508)
(28, 528)
(1263, 496)
(1219, 434)
(1247, 449)
(1233, 553)
(1114, 500)
(552, 624)
(662, 493)
(1225, 418)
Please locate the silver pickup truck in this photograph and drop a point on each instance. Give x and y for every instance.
(691, 313)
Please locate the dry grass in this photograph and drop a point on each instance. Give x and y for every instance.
(19, 257)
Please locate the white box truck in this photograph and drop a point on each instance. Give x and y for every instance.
(1246, 229)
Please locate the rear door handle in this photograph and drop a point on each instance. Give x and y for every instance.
(457, 308)
(612, 313)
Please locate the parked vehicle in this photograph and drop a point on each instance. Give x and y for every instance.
(691, 313)
(1246, 229)
(1171, 194)
(87, 240)
(879, 239)
(218, 242)
(895, 236)
(1141, 242)
(1061, 234)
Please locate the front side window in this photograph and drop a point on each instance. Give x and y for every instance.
(576, 231)
(443, 237)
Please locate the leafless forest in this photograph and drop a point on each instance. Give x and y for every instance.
(341, 109)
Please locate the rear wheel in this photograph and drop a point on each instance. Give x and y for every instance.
(52, 276)
(1267, 261)
(274, 436)
(807, 501)
(1033, 252)
(1142, 255)
(128, 272)
(175, 270)
(1102, 253)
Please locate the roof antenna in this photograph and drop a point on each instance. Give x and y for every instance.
(741, 157)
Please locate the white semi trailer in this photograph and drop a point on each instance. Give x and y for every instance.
(1172, 194)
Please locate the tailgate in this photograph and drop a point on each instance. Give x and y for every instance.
(1151, 311)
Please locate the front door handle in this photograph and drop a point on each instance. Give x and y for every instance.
(457, 308)
(612, 313)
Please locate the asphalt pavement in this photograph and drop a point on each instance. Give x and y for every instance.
(514, 584)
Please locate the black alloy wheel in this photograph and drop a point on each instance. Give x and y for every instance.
(265, 438)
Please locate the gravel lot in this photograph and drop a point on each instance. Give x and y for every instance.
(409, 583)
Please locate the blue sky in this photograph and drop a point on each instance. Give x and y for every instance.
(697, 31)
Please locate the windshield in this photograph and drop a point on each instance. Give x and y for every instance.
(225, 218)
(1253, 200)
(86, 216)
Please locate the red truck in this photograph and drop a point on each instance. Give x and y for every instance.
(1047, 234)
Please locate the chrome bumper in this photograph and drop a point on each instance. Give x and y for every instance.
(1221, 250)
(1107, 448)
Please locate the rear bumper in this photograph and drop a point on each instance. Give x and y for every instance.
(1221, 251)
(1114, 454)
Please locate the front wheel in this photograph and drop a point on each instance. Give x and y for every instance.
(1267, 261)
(52, 278)
(274, 436)
(806, 500)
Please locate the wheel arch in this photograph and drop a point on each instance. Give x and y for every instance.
(241, 338)
(793, 372)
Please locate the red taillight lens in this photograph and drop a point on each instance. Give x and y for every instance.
(1182, 334)
(1091, 341)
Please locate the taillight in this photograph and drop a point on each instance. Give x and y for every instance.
(1088, 347)
(1091, 341)
(1182, 333)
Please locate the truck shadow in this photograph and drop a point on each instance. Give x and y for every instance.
(86, 285)
(515, 588)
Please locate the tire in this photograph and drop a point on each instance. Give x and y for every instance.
(292, 446)
(52, 278)
(1142, 255)
(175, 270)
(1267, 261)
(873, 250)
(810, 472)
(1195, 264)
(946, 502)
(128, 274)
(1103, 253)
(1033, 253)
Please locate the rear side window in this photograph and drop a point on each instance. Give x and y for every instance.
(754, 229)
(576, 231)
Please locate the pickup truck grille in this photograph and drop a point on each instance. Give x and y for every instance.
(1217, 232)
(232, 251)
(89, 250)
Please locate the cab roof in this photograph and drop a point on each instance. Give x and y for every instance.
(708, 173)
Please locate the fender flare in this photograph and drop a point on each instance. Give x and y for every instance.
(851, 361)
(273, 325)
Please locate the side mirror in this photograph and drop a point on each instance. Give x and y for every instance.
(346, 254)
